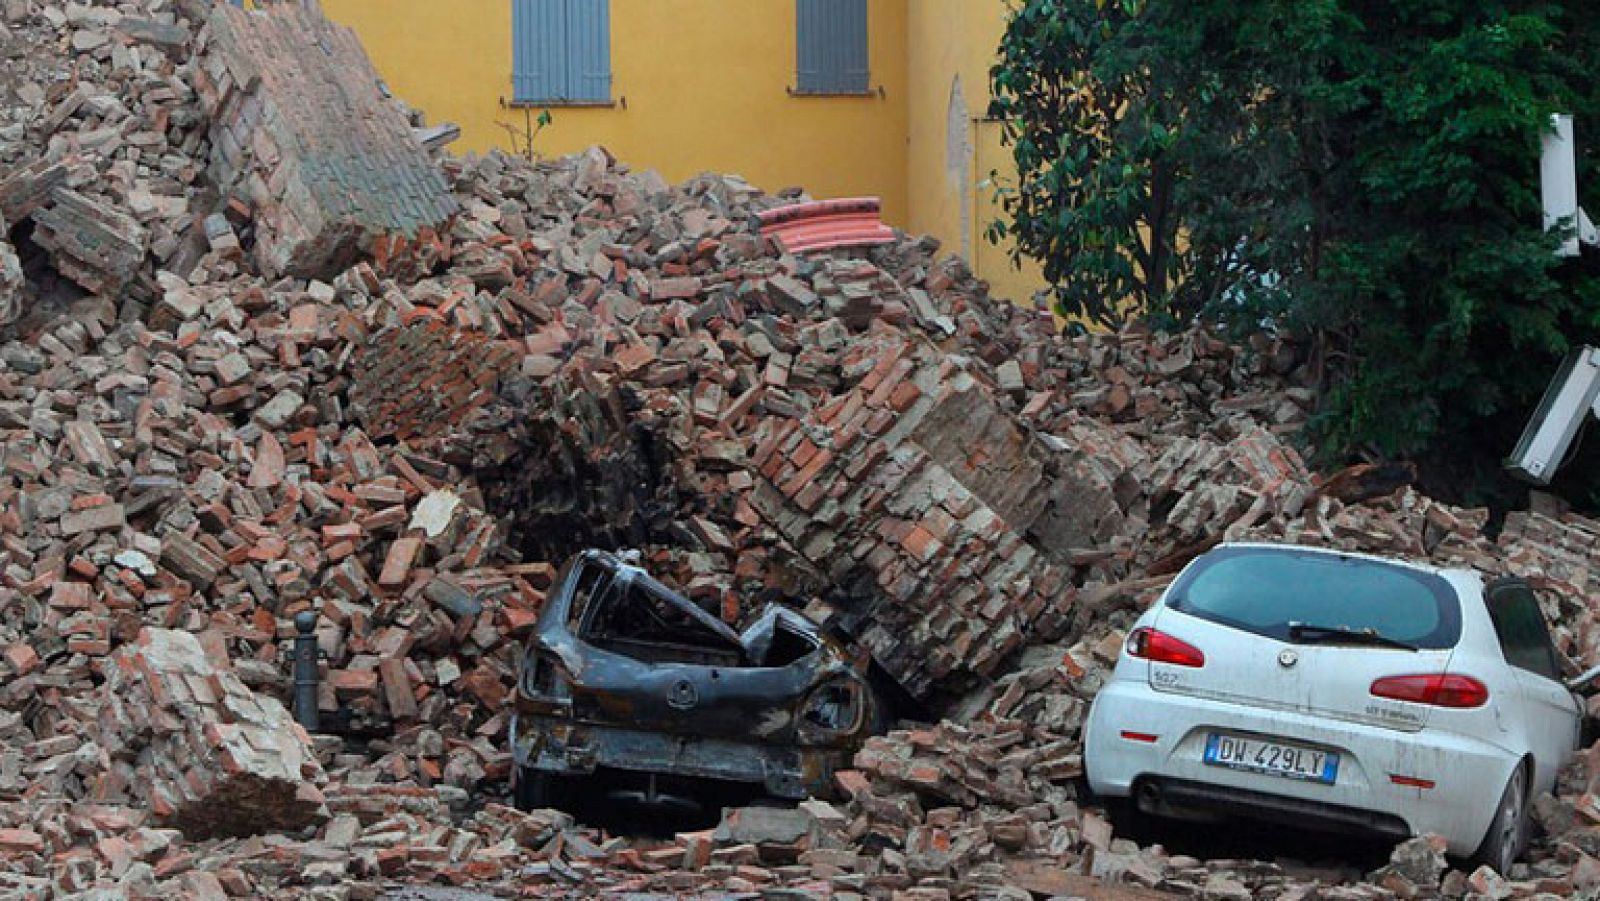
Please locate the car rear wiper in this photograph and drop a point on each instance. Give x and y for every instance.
(1313, 634)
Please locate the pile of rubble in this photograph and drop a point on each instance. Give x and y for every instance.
(246, 376)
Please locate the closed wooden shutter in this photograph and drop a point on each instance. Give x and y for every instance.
(589, 50)
(561, 51)
(831, 46)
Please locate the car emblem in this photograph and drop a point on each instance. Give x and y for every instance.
(683, 695)
(1287, 658)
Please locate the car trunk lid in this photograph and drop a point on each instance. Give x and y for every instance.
(1323, 678)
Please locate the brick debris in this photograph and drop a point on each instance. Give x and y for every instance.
(408, 434)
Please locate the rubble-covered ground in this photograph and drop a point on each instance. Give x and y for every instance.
(245, 376)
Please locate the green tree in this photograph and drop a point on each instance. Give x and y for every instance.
(1363, 171)
(1090, 132)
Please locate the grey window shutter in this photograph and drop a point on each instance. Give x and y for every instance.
(537, 63)
(561, 50)
(831, 46)
(856, 76)
(589, 45)
(808, 56)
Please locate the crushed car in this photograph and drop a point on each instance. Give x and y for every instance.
(625, 675)
(1338, 690)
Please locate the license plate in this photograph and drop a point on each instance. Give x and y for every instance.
(1274, 758)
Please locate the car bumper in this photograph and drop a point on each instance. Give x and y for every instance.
(558, 745)
(1468, 773)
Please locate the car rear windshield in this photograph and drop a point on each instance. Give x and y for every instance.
(1264, 590)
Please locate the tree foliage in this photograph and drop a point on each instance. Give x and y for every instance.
(1364, 171)
(1090, 133)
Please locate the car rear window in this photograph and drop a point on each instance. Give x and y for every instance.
(1264, 590)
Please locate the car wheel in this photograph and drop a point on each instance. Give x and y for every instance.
(1509, 829)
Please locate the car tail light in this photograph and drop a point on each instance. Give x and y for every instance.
(1159, 647)
(1435, 689)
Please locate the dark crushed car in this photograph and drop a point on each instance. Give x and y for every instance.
(625, 675)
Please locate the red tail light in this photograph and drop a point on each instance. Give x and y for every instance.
(1148, 644)
(1436, 689)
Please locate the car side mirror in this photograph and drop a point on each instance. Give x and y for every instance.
(1581, 680)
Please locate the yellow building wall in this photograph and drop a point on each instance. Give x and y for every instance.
(953, 147)
(703, 85)
(698, 85)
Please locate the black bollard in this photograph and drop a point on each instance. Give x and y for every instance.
(305, 670)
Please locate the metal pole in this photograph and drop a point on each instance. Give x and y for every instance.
(305, 670)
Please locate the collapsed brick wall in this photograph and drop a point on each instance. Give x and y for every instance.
(27, 188)
(917, 480)
(420, 380)
(90, 239)
(300, 131)
(1040, 488)
(92, 242)
(575, 464)
(958, 529)
(204, 753)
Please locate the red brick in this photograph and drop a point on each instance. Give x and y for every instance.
(21, 841)
(71, 596)
(397, 564)
(634, 357)
(484, 684)
(670, 288)
(22, 657)
(353, 682)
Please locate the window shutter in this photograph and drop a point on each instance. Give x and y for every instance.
(854, 70)
(831, 46)
(589, 45)
(808, 44)
(561, 50)
(537, 64)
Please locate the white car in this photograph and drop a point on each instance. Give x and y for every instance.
(1342, 691)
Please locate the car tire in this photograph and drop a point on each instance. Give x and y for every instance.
(1508, 831)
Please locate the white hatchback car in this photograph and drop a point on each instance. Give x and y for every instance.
(1338, 690)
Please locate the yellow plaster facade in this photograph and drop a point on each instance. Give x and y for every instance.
(953, 146)
(704, 85)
